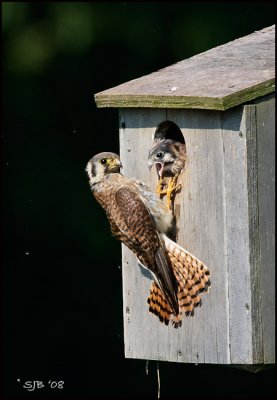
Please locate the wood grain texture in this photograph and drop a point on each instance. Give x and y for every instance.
(250, 131)
(218, 79)
(135, 139)
(201, 230)
(225, 218)
(265, 120)
(203, 338)
(239, 173)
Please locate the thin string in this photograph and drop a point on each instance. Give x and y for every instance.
(159, 382)
(146, 367)
(158, 376)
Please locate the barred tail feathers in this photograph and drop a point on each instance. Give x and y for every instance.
(193, 279)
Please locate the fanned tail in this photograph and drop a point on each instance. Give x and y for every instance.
(193, 279)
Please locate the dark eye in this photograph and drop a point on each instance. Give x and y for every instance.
(159, 155)
(103, 161)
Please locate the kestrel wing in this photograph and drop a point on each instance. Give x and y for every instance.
(137, 224)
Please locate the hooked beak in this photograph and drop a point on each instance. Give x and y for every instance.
(115, 165)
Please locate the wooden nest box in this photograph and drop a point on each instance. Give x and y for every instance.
(223, 102)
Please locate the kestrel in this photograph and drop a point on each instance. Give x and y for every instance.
(169, 157)
(140, 220)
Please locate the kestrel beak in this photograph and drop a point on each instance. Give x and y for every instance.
(159, 168)
(115, 165)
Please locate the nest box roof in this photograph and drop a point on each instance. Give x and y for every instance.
(217, 79)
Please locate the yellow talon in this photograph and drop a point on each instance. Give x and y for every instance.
(161, 187)
(172, 189)
(168, 188)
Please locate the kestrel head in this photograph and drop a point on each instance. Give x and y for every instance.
(101, 165)
(168, 156)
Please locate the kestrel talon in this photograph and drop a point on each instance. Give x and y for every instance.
(169, 157)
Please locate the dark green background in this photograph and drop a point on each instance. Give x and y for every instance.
(61, 287)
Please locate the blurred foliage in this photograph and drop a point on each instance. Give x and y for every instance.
(38, 33)
(57, 55)
(59, 253)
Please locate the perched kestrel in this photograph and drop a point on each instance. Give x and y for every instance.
(140, 220)
(169, 157)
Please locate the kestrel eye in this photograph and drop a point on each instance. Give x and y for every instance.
(159, 155)
(103, 161)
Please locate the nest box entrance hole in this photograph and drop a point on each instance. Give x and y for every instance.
(169, 154)
(169, 130)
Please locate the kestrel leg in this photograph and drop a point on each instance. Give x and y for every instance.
(161, 187)
(171, 190)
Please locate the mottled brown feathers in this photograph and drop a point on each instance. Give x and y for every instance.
(132, 222)
(140, 220)
(193, 279)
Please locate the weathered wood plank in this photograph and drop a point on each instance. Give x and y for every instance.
(234, 127)
(249, 129)
(140, 327)
(226, 218)
(203, 338)
(218, 79)
(202, 231)
(265, 120)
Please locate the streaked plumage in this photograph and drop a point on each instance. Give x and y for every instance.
(140, 220)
